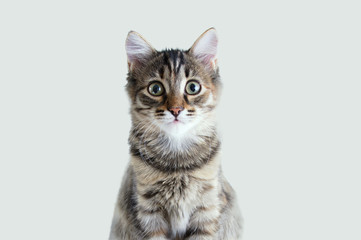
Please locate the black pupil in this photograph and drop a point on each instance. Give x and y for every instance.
(192, 87)
(156, 89)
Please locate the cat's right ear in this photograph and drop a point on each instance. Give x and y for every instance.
(138, 50)
(205, 48)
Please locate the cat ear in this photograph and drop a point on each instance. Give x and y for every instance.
(205, 48)
(138, 49)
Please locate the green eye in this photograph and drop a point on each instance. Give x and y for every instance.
(156, 89)
(193, 87)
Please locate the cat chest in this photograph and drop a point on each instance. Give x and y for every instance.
(178, 196)
(181, 195)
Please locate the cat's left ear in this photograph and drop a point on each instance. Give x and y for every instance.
(205, 48)
(138, 50)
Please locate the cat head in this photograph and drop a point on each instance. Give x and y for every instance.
(173, 90)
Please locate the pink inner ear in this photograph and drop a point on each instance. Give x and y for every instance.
(208, 59)
(205, 48)
(137, 49)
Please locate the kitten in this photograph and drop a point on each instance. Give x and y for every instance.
(174, 187)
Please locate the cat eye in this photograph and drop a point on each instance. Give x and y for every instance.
(193, 87)
(156, 89)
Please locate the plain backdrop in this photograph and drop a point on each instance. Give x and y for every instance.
(289, 116)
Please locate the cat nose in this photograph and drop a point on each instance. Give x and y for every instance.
(175, 110)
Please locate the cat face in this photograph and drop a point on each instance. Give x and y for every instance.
(173, 90)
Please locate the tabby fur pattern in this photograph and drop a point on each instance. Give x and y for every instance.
(174, 187)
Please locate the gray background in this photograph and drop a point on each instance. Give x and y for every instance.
(289, 116)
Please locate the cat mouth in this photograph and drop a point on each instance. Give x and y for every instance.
(176, 121)
(173, 121)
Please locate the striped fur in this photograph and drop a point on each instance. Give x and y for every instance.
(174, 187)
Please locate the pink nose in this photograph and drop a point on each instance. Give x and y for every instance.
(175, 110)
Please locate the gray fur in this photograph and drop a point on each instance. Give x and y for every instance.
(174, 187)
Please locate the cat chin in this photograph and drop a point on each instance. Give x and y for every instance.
(176, 129)
(185, 128)
(182, 130)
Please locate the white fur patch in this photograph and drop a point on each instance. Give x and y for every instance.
(180, 221)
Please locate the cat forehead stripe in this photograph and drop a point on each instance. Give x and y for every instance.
(173, 59)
